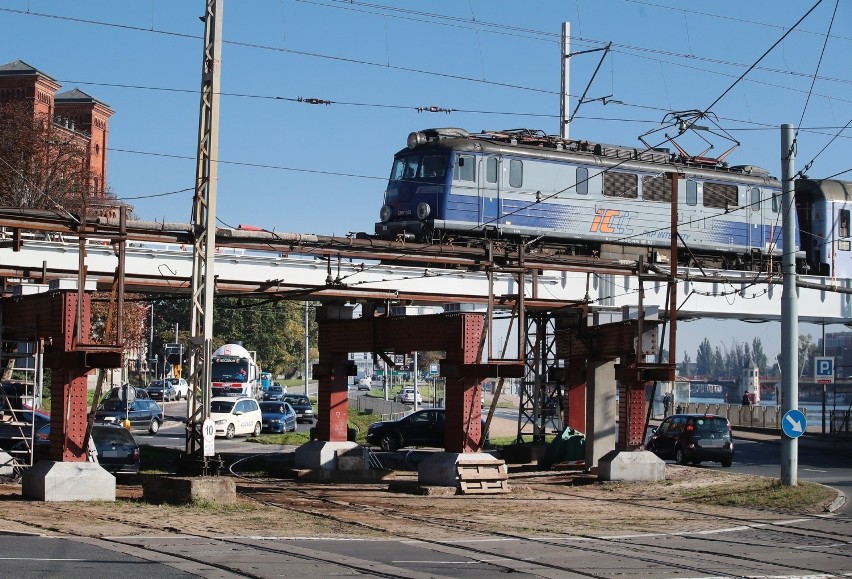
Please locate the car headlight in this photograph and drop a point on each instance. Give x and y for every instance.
(423, 211)
(385, 213)
(220, 422)
(274, 421)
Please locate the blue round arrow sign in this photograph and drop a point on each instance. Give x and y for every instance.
(794, 423)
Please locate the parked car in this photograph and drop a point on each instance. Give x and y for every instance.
(406, 396)
(118, 452)
(20, 424)
(143, 413)
(234, 416)
(118, 392)
(278, 417)
(180, 387)
(274, 392)
(421, 428)
(161, 390)
(365, 383)
(692, 438)
(302, 405)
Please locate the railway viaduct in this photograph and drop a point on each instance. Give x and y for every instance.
(577, 317)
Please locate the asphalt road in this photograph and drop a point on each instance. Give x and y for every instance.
(797, 548)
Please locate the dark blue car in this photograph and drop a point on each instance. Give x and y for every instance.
(278, 417)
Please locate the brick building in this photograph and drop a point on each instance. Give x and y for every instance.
(79, 116)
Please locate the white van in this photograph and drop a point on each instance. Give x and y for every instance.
(233, 416)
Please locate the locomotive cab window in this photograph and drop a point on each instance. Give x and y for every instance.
(433, 166)
(843, 223)
(582, 181)
(491, 170)
(691, 193)
(464, 170)
(755, 199)
(776, 202)
(516, 173)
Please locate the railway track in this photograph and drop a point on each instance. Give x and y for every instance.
(696, 544)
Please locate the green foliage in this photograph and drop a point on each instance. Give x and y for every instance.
(274, 329)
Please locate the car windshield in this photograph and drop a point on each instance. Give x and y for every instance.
(221, 406)
(112, 436)
(114, 404)
(272, 407)
(275, 390)
(156, 384)
(298, 400)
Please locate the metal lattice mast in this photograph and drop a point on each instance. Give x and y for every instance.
(204, 228)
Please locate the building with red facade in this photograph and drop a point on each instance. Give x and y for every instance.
(81, 118)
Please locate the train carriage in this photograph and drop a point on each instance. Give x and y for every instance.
(589, 198)
(824, 209)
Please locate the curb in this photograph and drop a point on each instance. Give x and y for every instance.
(836, 503)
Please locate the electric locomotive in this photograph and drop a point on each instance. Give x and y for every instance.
(583, 198)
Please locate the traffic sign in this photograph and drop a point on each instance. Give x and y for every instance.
(208, 434)
(794, 423)
(824, 369)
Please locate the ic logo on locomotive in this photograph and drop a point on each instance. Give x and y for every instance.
(610, 221)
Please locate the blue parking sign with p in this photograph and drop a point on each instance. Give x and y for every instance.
(824, 369)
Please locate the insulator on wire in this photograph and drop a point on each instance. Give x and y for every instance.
(313, 101)
(434, 109)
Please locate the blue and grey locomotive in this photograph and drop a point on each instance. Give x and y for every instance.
(583, 198)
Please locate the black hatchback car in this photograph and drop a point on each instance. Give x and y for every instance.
(118, 452)
(143, 413)
(421, 428)
(302, 405)
(692, 438)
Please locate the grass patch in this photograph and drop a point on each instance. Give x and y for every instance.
(289, 438)
(761, 492)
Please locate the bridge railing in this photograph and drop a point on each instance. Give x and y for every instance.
(384, 409)
(737, 415)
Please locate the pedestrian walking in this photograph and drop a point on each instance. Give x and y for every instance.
(667, 404)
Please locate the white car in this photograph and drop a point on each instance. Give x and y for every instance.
(232, 416)
(180, 387)
(407, 396)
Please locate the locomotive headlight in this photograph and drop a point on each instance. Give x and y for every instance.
(415, 139)
(423, 211)
(385, 213)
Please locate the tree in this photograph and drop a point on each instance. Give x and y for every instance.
(704, 359)
(684, 365)
(42, 165)
(272, 328)
(807, 351)
(759, 356)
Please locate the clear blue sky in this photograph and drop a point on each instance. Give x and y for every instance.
(289, 166)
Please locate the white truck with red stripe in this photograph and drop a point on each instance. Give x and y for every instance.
(234, 372)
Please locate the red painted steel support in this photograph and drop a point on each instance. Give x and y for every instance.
(458, 335)
(631, 412)
(52, 316)
(333, 396)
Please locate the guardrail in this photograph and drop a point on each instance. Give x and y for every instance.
(385, 409)
(737, 415)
